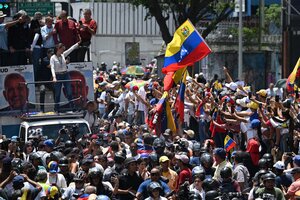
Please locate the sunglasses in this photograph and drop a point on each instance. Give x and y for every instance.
(154, 174)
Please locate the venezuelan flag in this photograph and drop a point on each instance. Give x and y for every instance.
(173, 78)
(229, 143)
(179, 104)
(163, 108)
(186, 47)
(291, 84)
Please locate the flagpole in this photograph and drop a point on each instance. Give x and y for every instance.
(240, 51)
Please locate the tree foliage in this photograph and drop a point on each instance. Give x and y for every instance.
(212, 11)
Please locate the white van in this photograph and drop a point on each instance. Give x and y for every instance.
(49, 126)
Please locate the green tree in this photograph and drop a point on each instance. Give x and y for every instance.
(214, 11)
(273, 14)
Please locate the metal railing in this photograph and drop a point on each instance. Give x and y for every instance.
(77, 93)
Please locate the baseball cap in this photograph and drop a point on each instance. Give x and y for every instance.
(296, 160)
(183, 158)
(255, 123)
(243, 102)
(53, 167)
(232, 86)
(86, 161)
(262, 93)
(163, 159)
(279, 165)
(49, 143)
(94, 136)
(52, 191)
(18, 180)
(252, 105)
(220, 152)
(14, 138)
(190, 133)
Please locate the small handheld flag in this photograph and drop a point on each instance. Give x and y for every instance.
(229, 143)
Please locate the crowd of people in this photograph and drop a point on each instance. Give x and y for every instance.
(132, 153)
(28, 40)
(128, 156)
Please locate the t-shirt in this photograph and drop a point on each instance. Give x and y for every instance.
(172, 176)
(184, 175)
(219, 167)
(39, 194)
(295, 186)
(102, 97)
(143, 188)
(130, 108)
(241, 174)
(141, 106)
(57, 180)
(275, 194)
(85, 34)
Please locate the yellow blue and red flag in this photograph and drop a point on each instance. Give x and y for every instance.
(179, 104)
(186, 47)
(163, 108)
(291, 85)
(173, 78)
(229, 143)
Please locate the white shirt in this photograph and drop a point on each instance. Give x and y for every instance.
(121, 101)
(58, 64)
(130, 108)
(274, 92)
(102, 97)
(246, 128)
(201, 193)
(59, 180)
(142, 93)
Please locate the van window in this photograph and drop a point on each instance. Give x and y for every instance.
(51, 131)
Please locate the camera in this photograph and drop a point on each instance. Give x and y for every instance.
(72, 131)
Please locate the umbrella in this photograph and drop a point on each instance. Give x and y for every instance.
(281, 83)
(133, 70)
(138, 83)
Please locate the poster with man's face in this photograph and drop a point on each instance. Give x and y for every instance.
(15, 96)
(82, 85)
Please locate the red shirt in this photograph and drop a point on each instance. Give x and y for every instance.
(185, 174)
(84, 33)
(67, 33)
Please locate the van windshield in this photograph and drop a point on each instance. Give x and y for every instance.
(51, 131)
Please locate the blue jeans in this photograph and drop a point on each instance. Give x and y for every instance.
(57, 90)
(36, 56)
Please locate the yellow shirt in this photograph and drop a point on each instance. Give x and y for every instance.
(219, 167)
(172, 176)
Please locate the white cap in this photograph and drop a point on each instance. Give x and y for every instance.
(279, 165)
(232, 86)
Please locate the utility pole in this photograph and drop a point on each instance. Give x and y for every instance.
(261, 20)
(240, 52)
